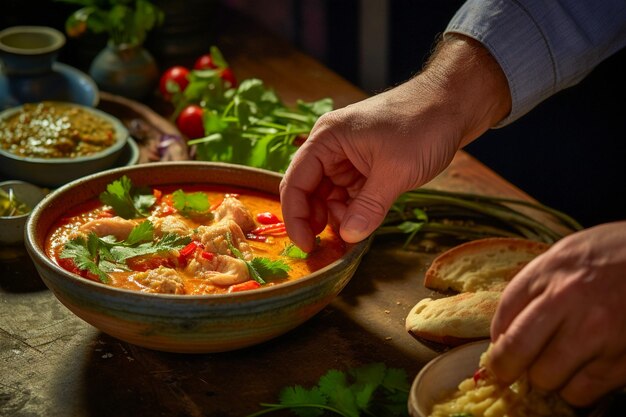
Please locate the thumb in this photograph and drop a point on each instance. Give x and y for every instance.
(367, 210)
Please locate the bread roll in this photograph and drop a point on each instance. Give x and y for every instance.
(453, 320)
(484, 264)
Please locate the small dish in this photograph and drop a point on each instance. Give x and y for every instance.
(12, 227)
(29, 50)
(54, 172)
(442, 375)
(62, 83)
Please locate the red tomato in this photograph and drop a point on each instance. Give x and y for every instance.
(228, 76)
(190, 123)
(178, 75)
(267, 218)
(204, 62)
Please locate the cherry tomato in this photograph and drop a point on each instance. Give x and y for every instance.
(204, 62)
(229, 77)
(267, 218)
(190, 122)
(176, 74)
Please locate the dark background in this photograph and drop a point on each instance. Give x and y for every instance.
(569, 153)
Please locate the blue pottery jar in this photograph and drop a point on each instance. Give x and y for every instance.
(125, 70)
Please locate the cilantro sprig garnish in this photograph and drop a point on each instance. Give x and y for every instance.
(191, 203)
(260, 268)
(370, 390)
(102, 255)
(126, 200)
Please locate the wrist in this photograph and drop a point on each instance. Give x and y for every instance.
(471, 85)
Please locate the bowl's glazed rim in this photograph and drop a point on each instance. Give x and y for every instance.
(355, 250)
(122, 136)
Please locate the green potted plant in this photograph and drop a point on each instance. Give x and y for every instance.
(124, 66)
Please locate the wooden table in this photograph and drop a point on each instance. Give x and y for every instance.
(55, 365)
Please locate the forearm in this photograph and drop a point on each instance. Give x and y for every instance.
(470, 83)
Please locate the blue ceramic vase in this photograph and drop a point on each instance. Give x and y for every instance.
(125, 70)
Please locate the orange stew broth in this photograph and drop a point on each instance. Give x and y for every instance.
(330, 247)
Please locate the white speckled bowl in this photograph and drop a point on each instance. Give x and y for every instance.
(206, 323)
(442, 375)
(54, 172)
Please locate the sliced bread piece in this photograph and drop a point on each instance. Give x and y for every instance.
(484, 264)
(453, 320)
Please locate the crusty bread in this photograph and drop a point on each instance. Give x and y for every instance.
(484, 264)
(453, 320)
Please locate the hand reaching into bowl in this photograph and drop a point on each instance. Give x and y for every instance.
(563, 317)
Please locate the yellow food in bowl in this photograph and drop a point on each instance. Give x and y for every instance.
(55, 130)
(483, 396)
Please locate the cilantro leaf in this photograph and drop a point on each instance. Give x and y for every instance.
(84, 254)
(370, 390)
(267, 268)
(297, 396)
(125, 200)
(190, 202)
(101, 255)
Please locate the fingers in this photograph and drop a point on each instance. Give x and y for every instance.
(514, 351)
(368, 209)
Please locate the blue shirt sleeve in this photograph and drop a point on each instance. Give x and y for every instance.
(543, 46)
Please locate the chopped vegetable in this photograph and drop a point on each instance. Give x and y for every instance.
(260, 268)
(244, 286)
(370, 390)
(267, 218)
(126, 201)
(10, 206)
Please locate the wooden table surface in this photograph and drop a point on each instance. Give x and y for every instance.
(54, 364)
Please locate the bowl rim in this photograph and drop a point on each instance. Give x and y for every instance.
(352, 249)
(58, 39)
(413, 400)
(122, 135)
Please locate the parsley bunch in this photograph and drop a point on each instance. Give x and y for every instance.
(370, 390)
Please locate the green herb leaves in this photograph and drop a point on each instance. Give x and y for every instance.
(189, 203)
(101, 255)
(249, 125)
(370, 390)
(127, 201)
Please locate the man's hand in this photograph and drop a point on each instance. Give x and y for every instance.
(563, 317)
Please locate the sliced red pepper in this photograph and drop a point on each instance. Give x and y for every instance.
(480, 373)
(267, 218)
(263, 230)
(207, 255)
(157, 193)
(244, 286)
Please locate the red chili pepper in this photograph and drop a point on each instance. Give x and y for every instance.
(262, 230)
(157, 193)
(480, 373)
(267, 218)
(256, 238)
(244, 286)
(207, 255)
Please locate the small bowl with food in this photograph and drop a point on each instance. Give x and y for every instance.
(183, 256)
(17, 199)
(457, 383)
(52, 143)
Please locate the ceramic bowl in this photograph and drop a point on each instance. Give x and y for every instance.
(12, 227)
(441, 376)
(54, 172)
(166, 322)
(29, 50)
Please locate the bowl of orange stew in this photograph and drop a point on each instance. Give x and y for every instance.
(183, 256)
